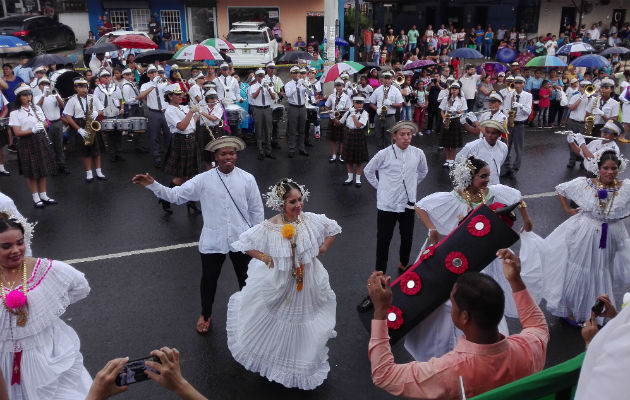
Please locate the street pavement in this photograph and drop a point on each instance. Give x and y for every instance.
(150, 298)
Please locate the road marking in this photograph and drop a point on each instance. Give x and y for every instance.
(194, 244)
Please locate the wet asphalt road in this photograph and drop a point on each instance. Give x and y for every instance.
(142, 302)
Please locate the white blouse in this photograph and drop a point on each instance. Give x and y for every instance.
(584, 193)
(175, 115)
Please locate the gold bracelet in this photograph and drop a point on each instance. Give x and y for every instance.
(522, 204)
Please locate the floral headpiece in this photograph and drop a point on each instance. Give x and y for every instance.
(462, 173)
(592, 165)
(274, 197)
(29, 228)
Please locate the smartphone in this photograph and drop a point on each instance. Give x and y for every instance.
(133, 371)
(598, 308)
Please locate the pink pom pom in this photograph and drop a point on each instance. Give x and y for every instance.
(15, 299)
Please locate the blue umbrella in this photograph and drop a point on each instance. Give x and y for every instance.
(12, 44)
(340, 42)
(506, 55)
(591, 61)
(465, 52)
(575, 47)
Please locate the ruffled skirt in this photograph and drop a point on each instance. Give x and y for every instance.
(280, 333)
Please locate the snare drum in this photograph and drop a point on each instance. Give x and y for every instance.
(108, 125)
(123, 124)
(139, 124)
(277, 112)
(233, 113)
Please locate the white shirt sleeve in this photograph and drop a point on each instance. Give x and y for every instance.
(370, 169)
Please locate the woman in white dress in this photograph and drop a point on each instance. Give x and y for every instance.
(40, 355)
(589, 253)
(279, 324)
(441, 212)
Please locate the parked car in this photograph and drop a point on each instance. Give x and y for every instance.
(254, 44)
(40, 32)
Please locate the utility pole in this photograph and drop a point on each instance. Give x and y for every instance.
(356, 30)
(331, 15)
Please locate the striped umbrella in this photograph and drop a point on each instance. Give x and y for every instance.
(546, 61)
(11, 44)
(349, 67)
(197, 52)
(576, 47)
(218, 43)
(591, 61)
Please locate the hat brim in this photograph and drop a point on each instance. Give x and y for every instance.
(225, 141)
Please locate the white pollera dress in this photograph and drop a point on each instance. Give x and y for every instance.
(274, 329)
(52, 364)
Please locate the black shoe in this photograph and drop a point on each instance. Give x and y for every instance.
(261, 156)
(141, 151)
(291, 155)
(192, 208)
(5, 173)
(39, 204)
(270, 156)
(64, 170)
(275, 145)
(357, 184)
(166, 206)
(12, 148)
(308, 144)
(303, 153)
(120, 158)
(571, 164)
(50, 202)
(101, 178)
(332, 160)
(346, 183)
(341, 159)
(89, 180)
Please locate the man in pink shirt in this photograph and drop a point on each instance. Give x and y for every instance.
(484, 358)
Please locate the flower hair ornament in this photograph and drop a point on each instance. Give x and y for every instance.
(592, 164)
(462, 173)
(274, 197)
(29, 227)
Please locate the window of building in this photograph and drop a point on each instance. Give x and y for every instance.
(268, 15)
(119, 17)
(140, 18)
(171, 19)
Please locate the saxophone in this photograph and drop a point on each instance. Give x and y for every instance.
(589, 121)
(383, 113)
(447, 118)
(512, 112)
(92, 126)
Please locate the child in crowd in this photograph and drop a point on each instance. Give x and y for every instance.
(544, 95)
(420, 105)
(376, 54)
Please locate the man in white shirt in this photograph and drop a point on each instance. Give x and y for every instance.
(52, 105)
(97, 63)
(594, 32)
(577, 113)
(401, 167)
(110, 97)
(39, 72)
(153, 92)
(522, 102)
(494, 113)
(488, 148)
(133, 107)
(260, 96)
(469, 83)
(228, 88)
(385, 100)
(196, 89)
(230, 204)
(278, 86)
(296, 113)
(551, 46)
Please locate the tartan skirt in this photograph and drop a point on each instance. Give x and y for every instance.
(335, 133)
(355, 149)
(36, 156)
(451, 138)
(182, 159)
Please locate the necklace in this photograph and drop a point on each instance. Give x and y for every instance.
(15, 301)
(297, 268)
(296, 221)
(473, 199)
(603, 195)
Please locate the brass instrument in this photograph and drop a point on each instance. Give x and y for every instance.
(92, 126)
(448, 117)
(589, 90)
(383, 113)
(589, 122)
(512, 112)
(400, 79)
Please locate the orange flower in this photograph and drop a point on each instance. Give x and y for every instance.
(288, 231)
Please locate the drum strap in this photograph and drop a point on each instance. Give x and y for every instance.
(230, 194)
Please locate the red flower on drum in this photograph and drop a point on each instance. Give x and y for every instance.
(410, 283)
(479, 226)
(456, 262)
(394, 317)
(427, 253)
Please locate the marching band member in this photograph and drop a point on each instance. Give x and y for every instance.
(451, 107)
(609, 133)
(365, 90)
(74, 113)
(624, 98)
(504, 93)
(227, 86)
(175, 77)
(606, 106)
(354, 146)
(260, 96)
(39, 73)
(110, 97)
(313, 97)
(278, 87)
(494, 113)
(296, 114)
(577, 112)
(52, 105)
(384, 101)
(153, 91)
(337, 102)
(133, 107)
(183, 156)
(211, 118)
(35, 153)
(347, 85)
(488, 147)
(522, 102)
(6, 137)
(196, 90)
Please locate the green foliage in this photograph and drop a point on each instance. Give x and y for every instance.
(348, 23)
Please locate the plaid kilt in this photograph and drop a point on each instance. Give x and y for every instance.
(355, 149)
(335, 133)
(453, 137)
(182, 159)
(4, 136)
(36, 157)
(203, 138)
(89, 151)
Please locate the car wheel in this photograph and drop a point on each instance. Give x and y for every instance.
(39, 48)
(71, 42)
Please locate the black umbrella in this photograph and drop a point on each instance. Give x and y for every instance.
(293, 56)
(149, 57)
(614, 50)
(47, 59)
(370, 65)
(101, 48)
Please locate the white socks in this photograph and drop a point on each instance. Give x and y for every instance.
(43, 196)
(88, 175)
(99, 173)
(358, 178)
(36, 198)
(333, 157)
(2, 168)
(350, 176)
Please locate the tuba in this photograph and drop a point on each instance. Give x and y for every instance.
(92, 126)
(512, 112)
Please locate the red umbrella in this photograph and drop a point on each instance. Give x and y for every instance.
(134, 42)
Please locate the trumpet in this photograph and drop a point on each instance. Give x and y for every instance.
(590, 90)
(400, 79)
(511, 87)
(336, 113)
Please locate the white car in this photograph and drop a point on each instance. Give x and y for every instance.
(254, 44)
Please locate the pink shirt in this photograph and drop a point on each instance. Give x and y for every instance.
(482, 366)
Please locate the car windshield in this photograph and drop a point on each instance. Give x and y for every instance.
(246, 37)
(10, 21)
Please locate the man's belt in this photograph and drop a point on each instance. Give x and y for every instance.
(263, 107)
(150, 109)
(296, 106)
(576, 121)
(520, 122)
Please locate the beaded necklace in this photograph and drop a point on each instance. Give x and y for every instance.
(297, 271)
(471, 199)
(605, 200)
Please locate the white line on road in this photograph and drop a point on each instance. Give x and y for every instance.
(194, 244)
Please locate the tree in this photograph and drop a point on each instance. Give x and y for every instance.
(348, 23)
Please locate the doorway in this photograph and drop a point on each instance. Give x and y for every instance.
(315, 28)
(201, 23)
(567, 17)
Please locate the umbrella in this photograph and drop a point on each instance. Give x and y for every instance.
(576, 47)
(47, 59)
(591, 61)
(197, 52)
(370, 65)
(11, 44)
(293, 56)
(149, 57)
(340, 42)
(492, 66)
(218, 43)
(506, 55)
(524, 58)
(418, 64)
(465, 52)
(349, 67)
(614, 50)
(134, 42)
(546, 61)
(101, 48)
